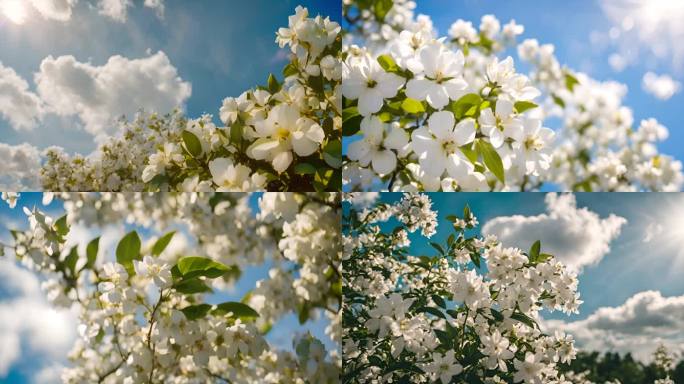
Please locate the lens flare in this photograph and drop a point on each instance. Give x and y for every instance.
(14, 10)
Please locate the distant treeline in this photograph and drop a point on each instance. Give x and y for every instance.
(611, 366)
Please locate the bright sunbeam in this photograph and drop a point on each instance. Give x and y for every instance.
(14, 10)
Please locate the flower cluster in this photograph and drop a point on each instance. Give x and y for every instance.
(428, 113)
(285, 135)
(142, 317)
(467, 314)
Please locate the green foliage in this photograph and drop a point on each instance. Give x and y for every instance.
(195, 266)
(467, 106)
(194, 312)
(387, 63)
(491, 159)
(91, 252)
(522, 106)
(192, 143)
(239, 310)
(128, 250)
(161, 243)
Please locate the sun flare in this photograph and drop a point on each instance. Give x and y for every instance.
(14, 10)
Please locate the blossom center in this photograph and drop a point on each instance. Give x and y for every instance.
(449, 147)
(283, 133)
(534, 143)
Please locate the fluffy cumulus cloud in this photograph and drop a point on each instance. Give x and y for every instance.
(576, 236)
(118, 9)
(21, 107)
(30, 328)
(662, 87)
(654, 25)
(20, 167)
(637, 326)
(101, 94)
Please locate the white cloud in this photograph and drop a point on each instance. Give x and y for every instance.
(637, 326)
(48, 375)
(20, 167)
(101, 94)
(662, 87)
(653, 25)
(653, 229)
(617, 62)
(576, 236)
(54, 9)
(18, 104)
(118, 9)
(29, 326)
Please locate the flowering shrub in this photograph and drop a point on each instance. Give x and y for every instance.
(285, 135)
(468, 314)
(449, 114)
(143, 317)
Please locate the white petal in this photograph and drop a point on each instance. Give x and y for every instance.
(465, 132)
(437, 96)
(281, 161)
(442, 124)
(418, 88)
(384, 162)
(370, 102)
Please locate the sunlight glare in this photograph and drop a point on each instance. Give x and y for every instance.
(14, 10)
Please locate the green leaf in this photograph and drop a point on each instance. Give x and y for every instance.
(348, 113)
(522, 106)
(452, 218)
(558, 100)
(535, 249)
(71, 260)
(352, 125)
(128, 250)
(236, 132)
(195, 312)
(496, 314)
(161, 243)
(61, 226)
(462, 106)
(437, 247)
(475, 258)
(194, 266)
(239, 310)
(191, 286)
(290, 70)
(432, 311)
(491, 159)
(412, 106)
(91, 252)
(439, 301)
(273, 85)
(523, 318)
(381, 8)
(332, 153)
(466, 212)
(304, 169)
(192, 143)
(570, 82)
(469, 153)
(387, 63)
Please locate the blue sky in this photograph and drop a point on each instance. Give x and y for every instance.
(221, 47)
(281, 335)
(646, 255)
